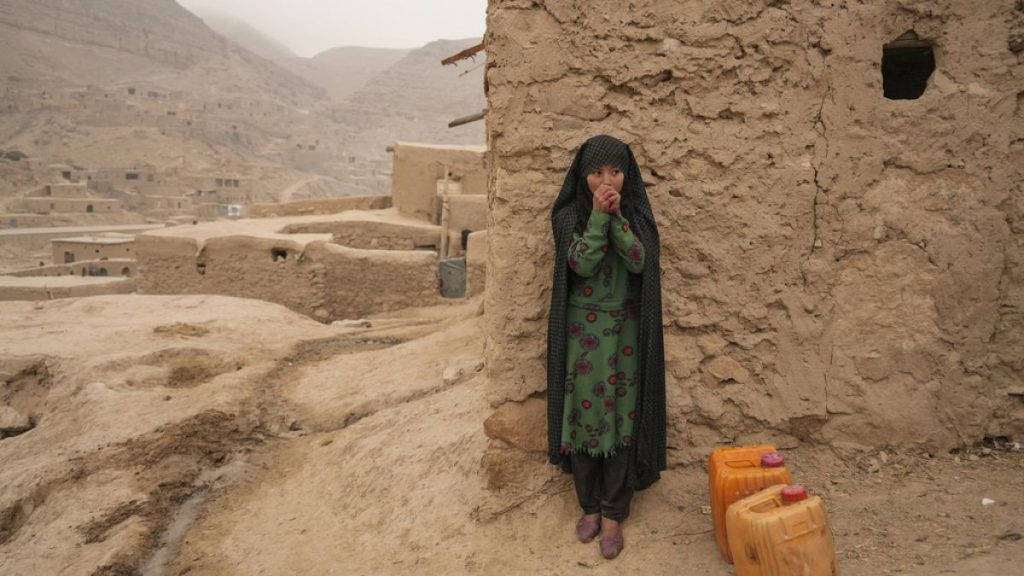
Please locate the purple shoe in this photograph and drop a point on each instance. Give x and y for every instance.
(587, 530)
(611, 546)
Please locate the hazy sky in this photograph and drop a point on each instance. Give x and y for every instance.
(311, 26)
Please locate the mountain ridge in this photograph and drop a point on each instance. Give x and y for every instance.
(146, 82)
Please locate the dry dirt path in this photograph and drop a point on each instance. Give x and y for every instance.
(387, 480)
(289, 192)
(209, 435)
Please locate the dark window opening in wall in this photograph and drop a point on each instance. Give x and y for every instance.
(126, 272)
(465, 239)
(102, 272)
(69, 257)
(280, 254)
(907, 63)
(48, 190)
(88, 208)
(201, 269)
(66, 174)
(131, 175)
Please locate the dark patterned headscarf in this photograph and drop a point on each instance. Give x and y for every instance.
(596, 153)
(573, 205)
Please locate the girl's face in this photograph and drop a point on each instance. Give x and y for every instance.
(606, 174)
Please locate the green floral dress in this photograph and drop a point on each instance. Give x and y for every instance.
(602, 356)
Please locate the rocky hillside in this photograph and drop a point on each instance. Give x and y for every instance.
(415, 99)
(245, 35)
(112, 41)
(341, 71)
(115, 84)
(345, 70)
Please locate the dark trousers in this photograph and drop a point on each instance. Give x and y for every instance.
(601, 484)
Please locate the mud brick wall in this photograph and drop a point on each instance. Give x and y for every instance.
(838, 267)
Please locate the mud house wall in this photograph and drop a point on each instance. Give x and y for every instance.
(476, 263)
(37, 240)
(90, 250)
(19, 220)
(836, 266)
(16, 289)
(166, 202)
(112, 267)
(467, 212)
(358, 283)
(78, 190)
(159, 189)
(319, 207)
(322, 280)
(70, 205)
(240, 266)
(370, 234)
(418, 167)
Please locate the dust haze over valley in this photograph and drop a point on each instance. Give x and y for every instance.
(262, 311)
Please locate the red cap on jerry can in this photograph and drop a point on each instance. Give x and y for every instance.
(772, 460)
(794, 493)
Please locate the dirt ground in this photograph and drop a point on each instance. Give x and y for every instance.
(212, 435)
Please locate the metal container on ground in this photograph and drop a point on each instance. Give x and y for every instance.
(453, 277)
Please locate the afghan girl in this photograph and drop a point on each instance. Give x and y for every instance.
(606, 368)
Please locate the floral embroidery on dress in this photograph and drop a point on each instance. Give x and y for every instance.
(575, 329)
(635, 253)
(601, 361)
